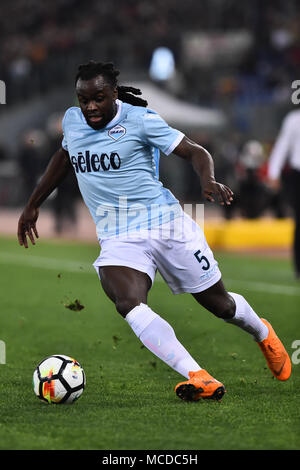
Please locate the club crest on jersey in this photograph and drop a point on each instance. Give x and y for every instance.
(117, 132)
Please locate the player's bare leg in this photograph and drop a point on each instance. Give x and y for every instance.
(128, 289)
(233, 308)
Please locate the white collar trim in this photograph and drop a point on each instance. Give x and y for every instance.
(117, 116)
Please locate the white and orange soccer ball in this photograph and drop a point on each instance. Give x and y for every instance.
(59, 379)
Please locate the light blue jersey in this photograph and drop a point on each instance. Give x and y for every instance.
(117, 168)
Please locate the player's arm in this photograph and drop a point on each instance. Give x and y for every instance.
(203, 165)
(56, 171)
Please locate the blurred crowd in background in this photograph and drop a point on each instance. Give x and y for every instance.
(254, 52)
(241, 57)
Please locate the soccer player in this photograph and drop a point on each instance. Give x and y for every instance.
(112, 143)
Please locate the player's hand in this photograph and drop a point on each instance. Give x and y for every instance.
(27, 226)
(213, 191)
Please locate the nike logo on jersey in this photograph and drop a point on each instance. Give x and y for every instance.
(86, 163)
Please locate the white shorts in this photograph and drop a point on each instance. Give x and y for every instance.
(178, 250)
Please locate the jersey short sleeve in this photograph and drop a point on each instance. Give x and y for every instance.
(64, 142)
(157, 133)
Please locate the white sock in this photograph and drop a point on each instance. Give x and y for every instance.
(159, 337)
(247, 319)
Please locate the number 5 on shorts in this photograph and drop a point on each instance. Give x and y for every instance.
(203, 258)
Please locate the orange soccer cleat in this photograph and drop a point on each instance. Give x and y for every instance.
(200, 385)
(276, 356)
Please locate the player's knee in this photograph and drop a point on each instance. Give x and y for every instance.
(125, 305)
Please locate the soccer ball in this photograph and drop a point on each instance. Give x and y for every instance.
(59, 379)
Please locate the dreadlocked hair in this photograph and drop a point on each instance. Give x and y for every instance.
(125, 93)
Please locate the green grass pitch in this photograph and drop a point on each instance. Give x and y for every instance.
(129, 401)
